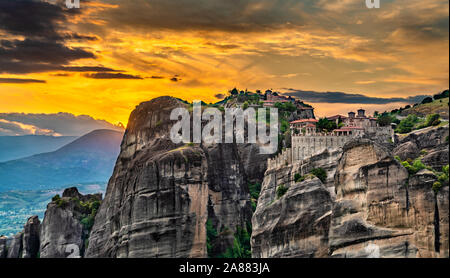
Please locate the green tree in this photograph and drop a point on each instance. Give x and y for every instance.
(211, 236)
(320, 173)
(234, 91)
(433, 120)
(427, 100)
(384, 119)
(406, 125)
(444, 94)
(325, 124)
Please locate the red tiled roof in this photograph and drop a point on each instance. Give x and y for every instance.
(304, 121)
(310, 125)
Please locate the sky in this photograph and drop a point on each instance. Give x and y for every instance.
(106, 57)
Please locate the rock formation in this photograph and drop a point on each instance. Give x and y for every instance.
(297, 224)
(431, 142)
(379, 209)
(294, 225)
(161, 194)
(16, 247)
(254, 163)
(165, 199)
(3, 247)
(65, 229)
(30, 241)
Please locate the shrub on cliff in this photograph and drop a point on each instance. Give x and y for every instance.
(299, 178)
(254, 189)
(211, 235)
(443, 177)
(88, 222)
(432, 120)
(281, 190)
(241, 244)
(56, 198)
(415, 167)
(320, 173)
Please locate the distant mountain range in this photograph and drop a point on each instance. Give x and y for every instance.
(15, 147)
(90, 158)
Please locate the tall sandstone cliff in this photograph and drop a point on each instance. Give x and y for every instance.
(379, 210)
(161, 195)
(63, 232)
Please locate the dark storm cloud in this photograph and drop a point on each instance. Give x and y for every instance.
(76, 36)
(31, 18)
(42, 24)
(89, 69)
(339, 97)
(48, 52)
(107, 75)
(211, 15)
(30, 55)
(20, 80)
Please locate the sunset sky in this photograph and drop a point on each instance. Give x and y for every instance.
(108, 56)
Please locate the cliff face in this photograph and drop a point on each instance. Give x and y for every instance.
(65, 230)
(16, 247)
(296, 224)
(379, 210)
(30, 239)
(367, 182)
(293, 225)
(3, 247)
(254, 163)
(431, 142)
(382, 212)
(161, 195)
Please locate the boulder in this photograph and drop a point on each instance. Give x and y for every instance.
(407, 150)
(437, 158)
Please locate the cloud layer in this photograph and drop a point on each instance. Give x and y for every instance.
(58, 124)
(339, 97)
